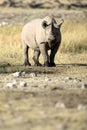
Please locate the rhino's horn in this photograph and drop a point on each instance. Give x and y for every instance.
(60, 23)
(55, 25)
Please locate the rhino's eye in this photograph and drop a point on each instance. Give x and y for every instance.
(44, 24)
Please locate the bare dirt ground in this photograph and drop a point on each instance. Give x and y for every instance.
(54, 99)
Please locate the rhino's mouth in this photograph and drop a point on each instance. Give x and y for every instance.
(51, 43)
(51, 40)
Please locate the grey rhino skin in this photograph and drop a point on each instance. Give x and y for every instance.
(41, 35)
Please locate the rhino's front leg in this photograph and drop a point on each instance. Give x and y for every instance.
(36, 58)
(44, 52)
(26, 58)
(52, 55)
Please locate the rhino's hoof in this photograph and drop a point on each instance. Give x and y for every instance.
(27, 64)
(52, 64)
(38, 64)
(47, 64)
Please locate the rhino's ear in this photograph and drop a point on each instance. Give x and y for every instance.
(60, 23)
(44, 24)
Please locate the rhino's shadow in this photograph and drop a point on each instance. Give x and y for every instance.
(72, 64)
(60, 68)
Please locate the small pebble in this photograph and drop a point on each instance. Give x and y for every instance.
(3, 23)
(75, 81)
(42, 112)
(16, 74)
(81, 107)
(23, 84)
(33, 75)
(10, 85)
(60, 105)
(84, 85)
(47, 79)
(23, 73)
(68, 78)
(55, 87)
(61, 127)
(14, 82)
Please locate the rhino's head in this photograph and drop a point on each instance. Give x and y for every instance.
(56, 31)
(52, 32)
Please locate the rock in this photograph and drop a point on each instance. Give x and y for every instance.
(61, 127)
(15, 85)
(76, 80)
(23, 84)
(10, 85)
(16, 74)
(57, 86)
(60, 105)
(47, 79)
(53, 87)
(82, 107)
(14, 82)
(23, 73)
(68, 78)
(3, 24)
(84, 85)
(42, 112)
(33, 75)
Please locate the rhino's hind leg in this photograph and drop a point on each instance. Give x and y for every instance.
(36, 58)
(26, 58)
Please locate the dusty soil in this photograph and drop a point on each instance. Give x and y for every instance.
(55, 98)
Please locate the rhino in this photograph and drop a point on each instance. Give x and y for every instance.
(41, 34)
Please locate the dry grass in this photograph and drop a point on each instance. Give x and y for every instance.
(10, 45)
(74, 37)
(74, 40)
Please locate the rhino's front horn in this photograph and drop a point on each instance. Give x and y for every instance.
(55, 25)
(60, 23)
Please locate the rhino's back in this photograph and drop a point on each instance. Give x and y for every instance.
(31, 33)
(31, 27)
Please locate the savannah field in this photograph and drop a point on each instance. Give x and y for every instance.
(55, 98)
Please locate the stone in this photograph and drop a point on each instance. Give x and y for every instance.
(3, 24)
(47, 79)
(82, 107)
(68, 78)
(10, 85)
(23, 84)
(23, 73)
(16, 74)
(61, 127)
(60, 105)
(33, 75)
(84, 85)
